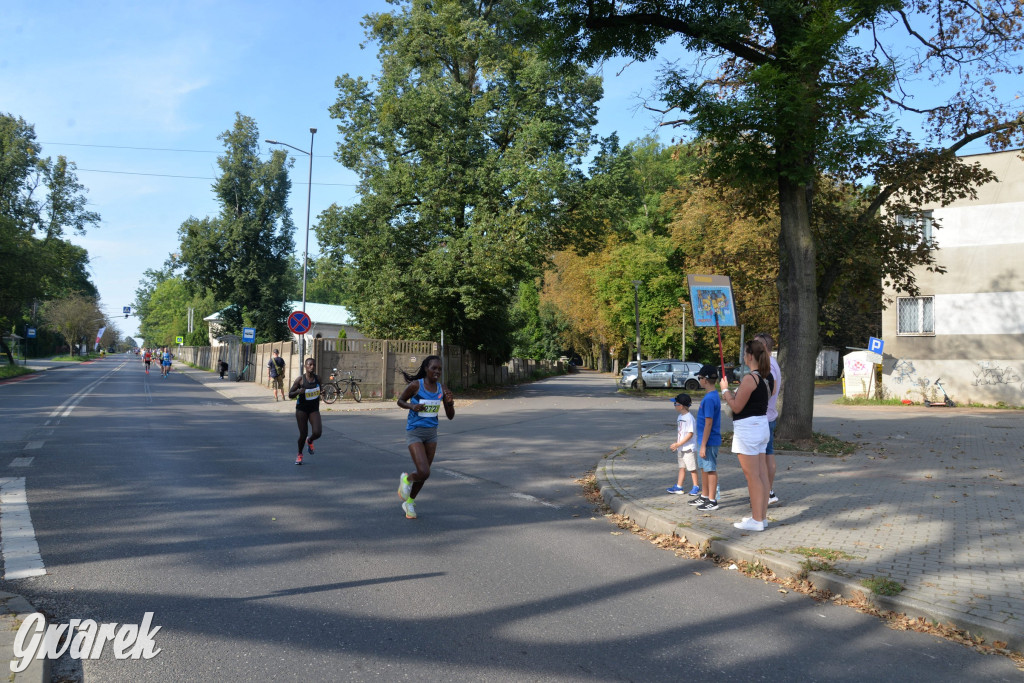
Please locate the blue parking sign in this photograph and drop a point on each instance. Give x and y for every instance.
(248, 334)
(875, 345)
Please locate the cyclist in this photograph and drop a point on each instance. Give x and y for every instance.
(423, 398)
(306, 392)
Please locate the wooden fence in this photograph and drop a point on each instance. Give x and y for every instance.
(376, 363)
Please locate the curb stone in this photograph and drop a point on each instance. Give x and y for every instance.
(787, 568)
(14, 609)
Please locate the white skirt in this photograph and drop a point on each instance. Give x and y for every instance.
(750, 435)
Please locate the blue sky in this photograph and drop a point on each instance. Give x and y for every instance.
(97, 78)
(115, 86)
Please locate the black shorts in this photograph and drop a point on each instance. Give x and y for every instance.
(308, 407)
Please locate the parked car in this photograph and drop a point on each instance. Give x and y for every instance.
(671, 373)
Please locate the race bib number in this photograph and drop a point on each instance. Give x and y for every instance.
(312, 394)
(430, 407)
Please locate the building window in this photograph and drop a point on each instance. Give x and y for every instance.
(922, 223)
(916, 315)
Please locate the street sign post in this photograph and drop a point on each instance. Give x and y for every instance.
(299, 322)
(875, 345)
(248, 334)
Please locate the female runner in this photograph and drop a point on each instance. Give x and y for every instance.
(306, 392)
(423, 398)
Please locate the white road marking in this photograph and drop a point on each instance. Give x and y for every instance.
(18, 545)
(64, 409)
(21, 462)
(33, 445)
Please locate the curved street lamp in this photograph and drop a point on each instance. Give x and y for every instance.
(305, 254)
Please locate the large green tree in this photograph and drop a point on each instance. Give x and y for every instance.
(466, 146)
(790, 91)
(40, 201)
(241, 256)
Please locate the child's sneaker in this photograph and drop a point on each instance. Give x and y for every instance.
(695, 491)
(678, 490)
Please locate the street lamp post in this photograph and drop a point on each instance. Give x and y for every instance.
(305, 254)
(636, 314)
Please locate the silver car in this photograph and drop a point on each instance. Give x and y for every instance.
(666, 374)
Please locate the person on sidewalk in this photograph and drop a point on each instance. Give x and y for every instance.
(749, 405)
(306, 392)
(772, 415)
(275, 371)
(223, 366)
(683, 447)
(423, 398)
(709, 438)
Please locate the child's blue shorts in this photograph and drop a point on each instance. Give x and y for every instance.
(709, 463)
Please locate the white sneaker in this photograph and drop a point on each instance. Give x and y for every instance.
(772, 498)
(765, 522)
(749, 524)
(410, 509)
(404, 486)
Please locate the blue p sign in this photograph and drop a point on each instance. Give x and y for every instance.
(875, 345)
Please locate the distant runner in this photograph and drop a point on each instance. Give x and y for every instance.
(147, 358)
(165, 362)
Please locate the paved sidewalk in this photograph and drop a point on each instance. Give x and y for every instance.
(932, 499)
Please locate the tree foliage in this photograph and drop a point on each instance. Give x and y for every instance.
(41, 201)
(790, 92)
(465, 146)
(75, 317)
(241, 256)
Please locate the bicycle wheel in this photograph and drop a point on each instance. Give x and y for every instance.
(355, 392)
(330, 393)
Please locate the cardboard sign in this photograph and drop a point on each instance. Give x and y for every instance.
(711, 294)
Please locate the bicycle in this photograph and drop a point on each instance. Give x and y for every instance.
(336, 388)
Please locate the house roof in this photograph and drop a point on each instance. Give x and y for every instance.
(324, 314)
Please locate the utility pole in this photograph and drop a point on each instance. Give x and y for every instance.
(636, 314)
(683, 357)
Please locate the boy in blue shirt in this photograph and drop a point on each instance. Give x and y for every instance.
(709, 438)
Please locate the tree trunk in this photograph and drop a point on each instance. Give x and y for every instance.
(798, 312)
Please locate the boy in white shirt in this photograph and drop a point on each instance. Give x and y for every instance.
(684, 446)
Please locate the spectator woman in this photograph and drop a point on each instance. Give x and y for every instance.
(749, 405)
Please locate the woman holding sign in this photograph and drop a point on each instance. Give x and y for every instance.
(306, 392)
(423, 398)
(749, 405)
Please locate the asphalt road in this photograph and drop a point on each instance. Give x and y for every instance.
(160, 495)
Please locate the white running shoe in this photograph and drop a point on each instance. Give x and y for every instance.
(410, 509)
(404, 486)
(749, 524)
(765, 522)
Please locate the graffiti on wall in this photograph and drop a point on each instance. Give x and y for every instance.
(989, 373)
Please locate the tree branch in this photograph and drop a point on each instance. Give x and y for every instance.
(616, 21)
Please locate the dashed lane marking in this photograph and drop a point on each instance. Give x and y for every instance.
(21, 462)
(18, 547)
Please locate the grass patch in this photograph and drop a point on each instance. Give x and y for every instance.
(823, 444)
(695, 394)
(844, 401)
(880, 585)
(8, 371)
(77, 359)
(824, 553)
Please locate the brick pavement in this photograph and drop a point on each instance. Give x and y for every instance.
(933, 499)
